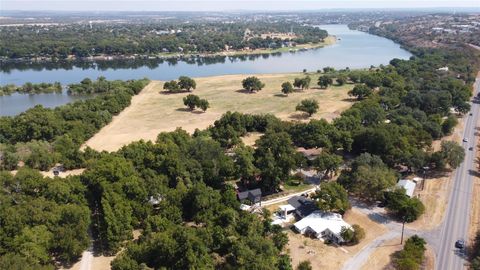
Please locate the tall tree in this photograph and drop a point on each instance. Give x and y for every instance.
(275, 157)
(186, 83)
(287, 88)
(252, 84)
(324, 81)
(360, 91)
(332, 197)
(309, 106)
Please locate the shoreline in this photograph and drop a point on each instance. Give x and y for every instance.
(329, 40)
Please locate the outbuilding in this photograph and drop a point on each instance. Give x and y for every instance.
(408, 185)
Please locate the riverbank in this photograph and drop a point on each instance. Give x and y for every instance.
(153, 111)
(329, 40)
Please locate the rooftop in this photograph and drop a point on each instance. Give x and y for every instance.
(319, 221)
(408, 185)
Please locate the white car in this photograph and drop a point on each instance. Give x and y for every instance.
(465, 140)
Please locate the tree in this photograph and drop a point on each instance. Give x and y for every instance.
(191, 101)
(452, 153)
(9, 161)
(328, 163)
(34, 243)
(303, 83)
(171, 86)
(304, 265)
(244, 164)
(275, 157)
(449, 124)
(324, 81)
(412, 255)
(403, 207)
(341, 79)
(332, 197)
(252, 84)
(360, 91)
(309, 106)
(203, 104)
(287, 88)
(368, 177)
(186, 83)
(353, 235)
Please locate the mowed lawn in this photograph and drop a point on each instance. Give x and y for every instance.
(153, 111)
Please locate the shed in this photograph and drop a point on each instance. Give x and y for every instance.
(408, 185)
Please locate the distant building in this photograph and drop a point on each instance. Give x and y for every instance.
(443, 69)
(322, 225)
(408, 185)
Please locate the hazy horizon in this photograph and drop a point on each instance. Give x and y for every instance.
(243, 5)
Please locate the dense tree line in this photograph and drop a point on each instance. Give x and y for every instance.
(41, 137)
(41, 219)
(31, 88)
(81, 40)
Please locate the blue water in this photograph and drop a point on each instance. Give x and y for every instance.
(354, 49)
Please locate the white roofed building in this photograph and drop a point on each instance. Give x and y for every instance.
(323, 225)
(408, 185)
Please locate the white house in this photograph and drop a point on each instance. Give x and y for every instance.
(408, 185)
(443, 69)
(323, 225)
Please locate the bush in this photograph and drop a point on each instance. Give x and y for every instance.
(305, 265)
(412, 255)
(354, 235)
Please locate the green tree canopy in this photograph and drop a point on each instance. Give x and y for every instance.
(324, 81)
(186, 83)
(360, 91)
(332, 197)
(287, 88)
(252, 84)
(309, 106)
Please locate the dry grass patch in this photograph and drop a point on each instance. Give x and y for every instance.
(435, 199)
(330, 257)
(152, 112)
(250, 138)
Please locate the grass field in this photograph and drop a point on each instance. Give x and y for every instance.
(153, 111)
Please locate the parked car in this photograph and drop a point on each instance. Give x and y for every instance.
(460, 244)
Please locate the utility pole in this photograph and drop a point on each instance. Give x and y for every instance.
(424, 176)
(403, 228)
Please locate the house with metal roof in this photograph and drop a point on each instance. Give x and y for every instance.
(322, 225)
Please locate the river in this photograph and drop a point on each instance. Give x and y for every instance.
(354, 49)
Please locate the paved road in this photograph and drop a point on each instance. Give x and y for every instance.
(457, 218)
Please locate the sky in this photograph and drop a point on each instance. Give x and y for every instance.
(223, 5)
